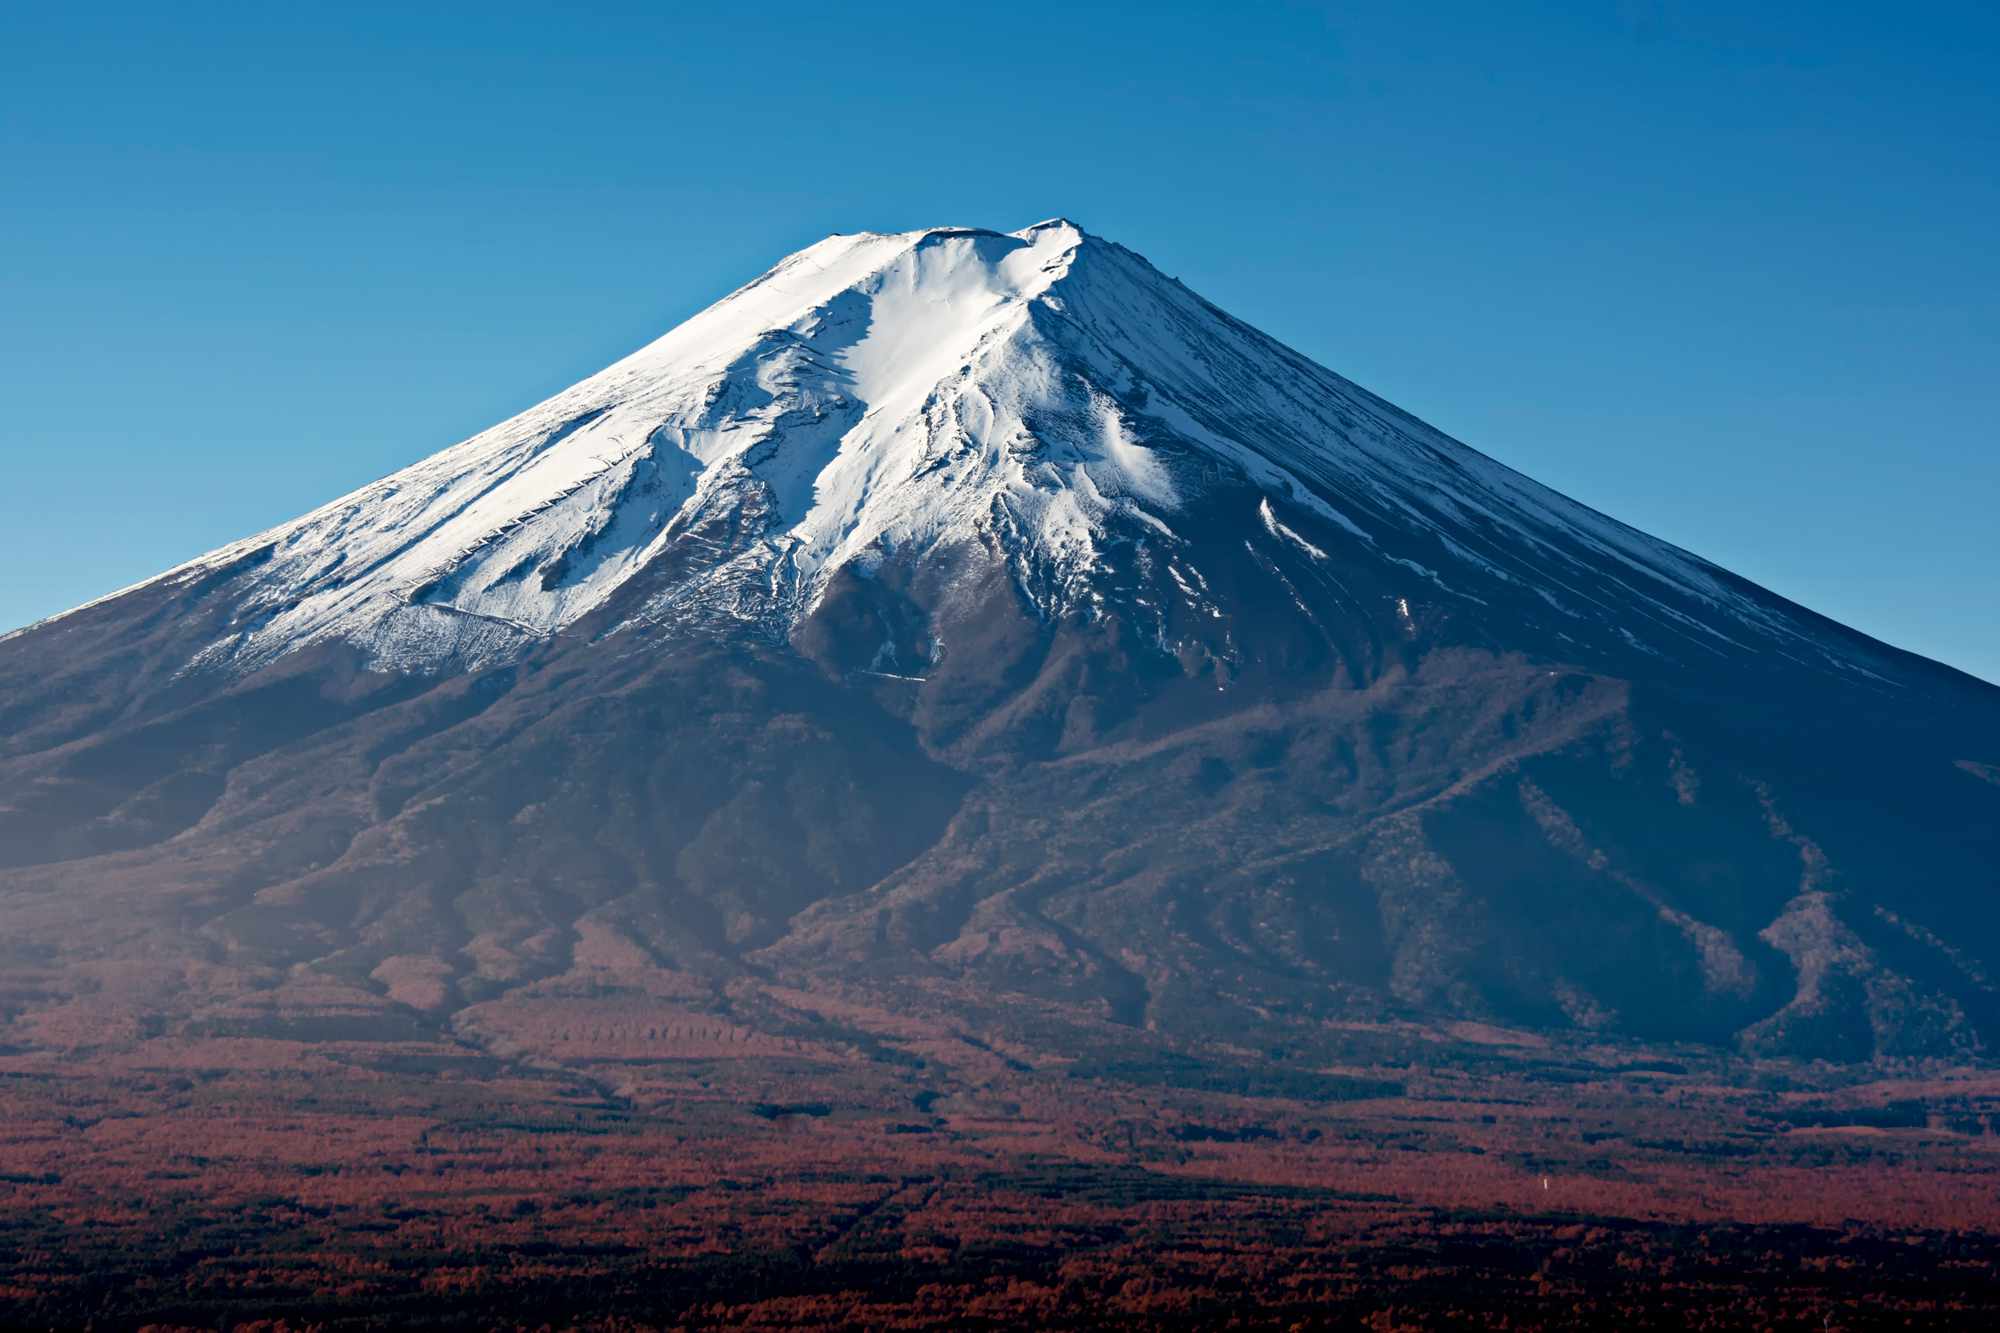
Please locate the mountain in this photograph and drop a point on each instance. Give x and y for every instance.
(987, 624)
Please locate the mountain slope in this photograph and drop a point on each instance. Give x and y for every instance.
(957, 613)
(1043, 392)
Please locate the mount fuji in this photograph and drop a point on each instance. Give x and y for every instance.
(986, 623)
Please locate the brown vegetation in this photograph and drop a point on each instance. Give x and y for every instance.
(611, 1161)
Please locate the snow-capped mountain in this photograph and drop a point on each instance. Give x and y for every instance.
(957, 612)
(1042, 398)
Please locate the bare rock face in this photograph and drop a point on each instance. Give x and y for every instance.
(986, 615)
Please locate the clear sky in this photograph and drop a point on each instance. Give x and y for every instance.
(1730, 273)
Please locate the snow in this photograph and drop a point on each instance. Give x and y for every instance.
(1277, 529)
(1039, 392)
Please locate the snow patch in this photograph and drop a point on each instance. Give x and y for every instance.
(1277, 529)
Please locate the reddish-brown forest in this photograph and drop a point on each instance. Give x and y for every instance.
(626, 1164)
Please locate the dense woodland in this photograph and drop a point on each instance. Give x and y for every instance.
(879, 1174)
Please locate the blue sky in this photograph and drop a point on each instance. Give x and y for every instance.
(1729, 276)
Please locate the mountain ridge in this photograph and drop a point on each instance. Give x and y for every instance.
(764, 383)
(983, 620)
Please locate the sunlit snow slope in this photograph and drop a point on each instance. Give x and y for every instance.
(1042, 396)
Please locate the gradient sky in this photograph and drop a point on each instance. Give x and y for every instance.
(1731, 277)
